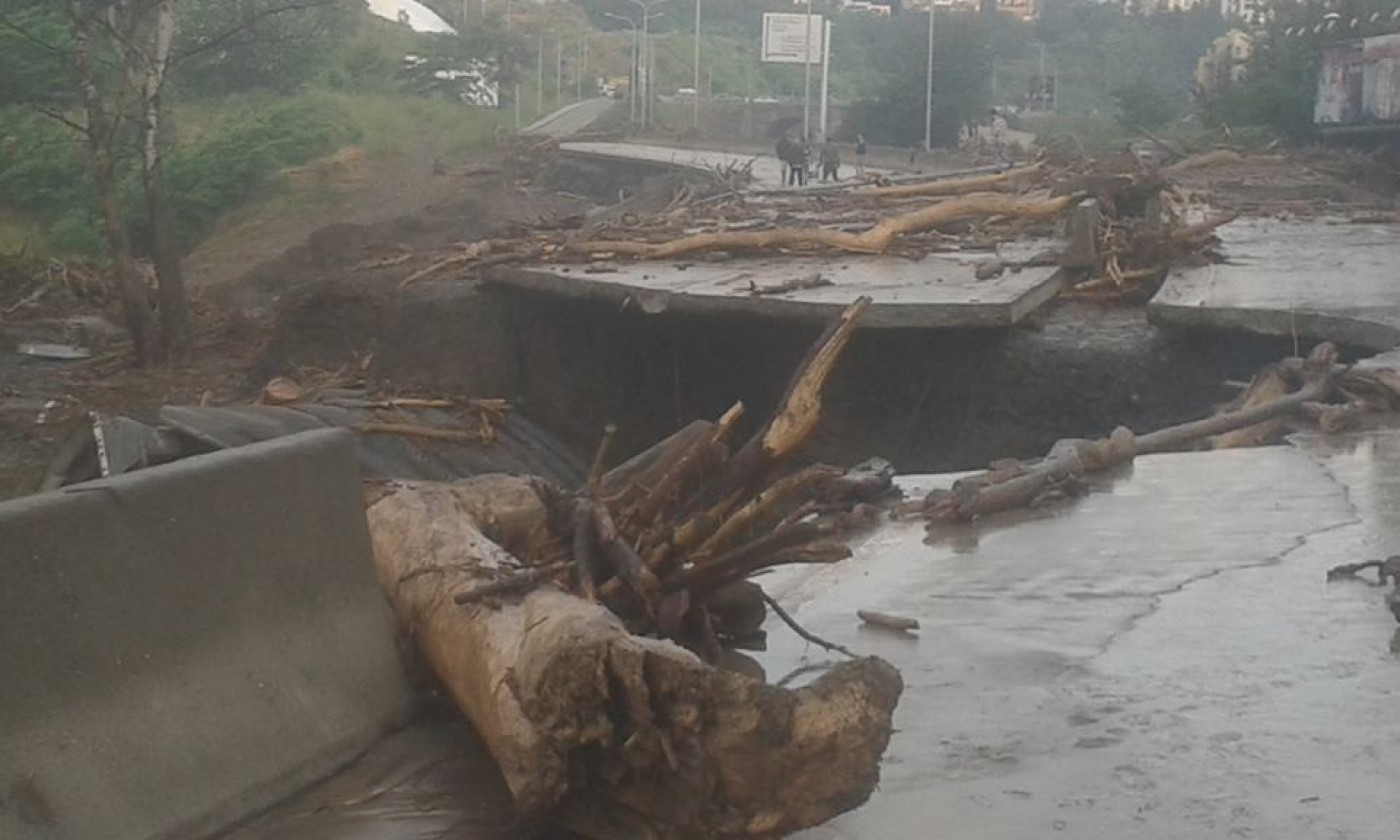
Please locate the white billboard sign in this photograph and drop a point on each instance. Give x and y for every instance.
(783, 42)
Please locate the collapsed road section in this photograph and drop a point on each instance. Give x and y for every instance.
(599, 627)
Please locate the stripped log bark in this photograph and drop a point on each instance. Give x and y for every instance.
(616, 736)
(876, 240)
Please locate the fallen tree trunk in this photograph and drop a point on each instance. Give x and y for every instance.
(876, 240)
(614, 735)
(1025, 485)
(1009, 179)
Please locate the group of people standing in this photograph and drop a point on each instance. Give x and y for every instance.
(796, 157)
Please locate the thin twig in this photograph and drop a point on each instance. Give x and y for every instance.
(802, 631)
(600, 460)
(514, 583)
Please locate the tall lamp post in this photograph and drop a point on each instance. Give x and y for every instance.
(928, 87)
(646, 7)
(582, 67)
(636, 73)
(807, 77)
(695, 85)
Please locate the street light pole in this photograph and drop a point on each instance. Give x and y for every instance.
(645, 67)
(634, 74)
(807, 78)
(582, 68)
(928, 88)
(644, 58)
(1040, 99)
(695, 85)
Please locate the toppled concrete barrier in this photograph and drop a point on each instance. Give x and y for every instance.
(183, 646)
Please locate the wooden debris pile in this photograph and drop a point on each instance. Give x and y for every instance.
(549, 617)
(30, 285)
(457, 420)
(1143, 225)
(1140, 226)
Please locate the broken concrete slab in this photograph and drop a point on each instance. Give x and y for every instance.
(935, 291)
(1150, 661)
(1317, 279)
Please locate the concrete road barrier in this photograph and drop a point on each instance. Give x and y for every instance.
(183, 646)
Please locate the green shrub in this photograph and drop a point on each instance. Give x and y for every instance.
(235, 160)
(44, 173)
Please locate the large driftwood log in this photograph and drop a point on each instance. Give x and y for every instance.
(876, 240)
(1069, 460)
(615, 735)
(1008, 180)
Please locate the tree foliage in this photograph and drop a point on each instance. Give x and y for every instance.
(896, 57)
(228, 46)
(1141, 104)
(1281, 83)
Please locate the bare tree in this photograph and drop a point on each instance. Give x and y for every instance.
(122, 54)
(104, 115)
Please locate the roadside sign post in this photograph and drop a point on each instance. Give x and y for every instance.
(800, 39)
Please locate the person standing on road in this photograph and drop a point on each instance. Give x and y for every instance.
(861, 149)
(831, 162)
(999, 136)
(785, 155)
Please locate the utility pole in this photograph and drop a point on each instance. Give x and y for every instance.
(539, 78)
(928, 89)
(646, 67)
(634, 78)
(559, 69)
(1040, 97)
(826, 71)
(695, 85)
(807, 77)
(582, 68)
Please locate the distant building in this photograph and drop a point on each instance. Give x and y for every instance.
(881, 9)
(1252, 12)
(1356, 87)
(1151, 7)
(1023, 9)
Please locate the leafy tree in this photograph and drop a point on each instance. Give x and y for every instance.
(1142, 104)
(227, 46)
(894, 115)
(1281, 82)
(117, 58)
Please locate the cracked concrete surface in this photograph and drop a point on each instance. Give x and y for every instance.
(1161, 659)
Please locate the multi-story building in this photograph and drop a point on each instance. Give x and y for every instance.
(1150, 7)
(1252, 12)
(1023, 9)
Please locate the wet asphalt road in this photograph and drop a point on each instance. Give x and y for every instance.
(1162, 659)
